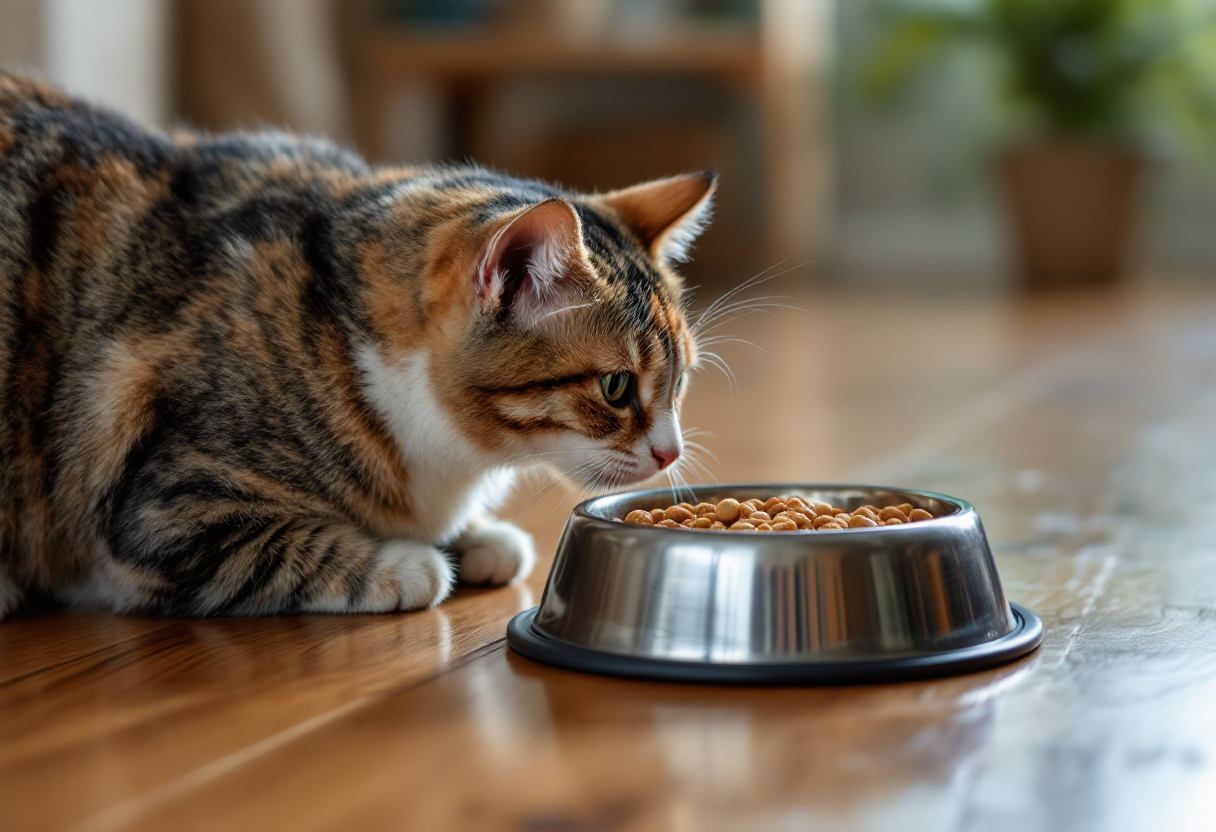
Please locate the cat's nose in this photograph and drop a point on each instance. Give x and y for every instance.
(665, 456)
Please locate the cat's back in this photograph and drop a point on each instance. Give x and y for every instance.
(120, 267)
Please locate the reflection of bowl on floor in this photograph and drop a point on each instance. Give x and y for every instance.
(872, 604)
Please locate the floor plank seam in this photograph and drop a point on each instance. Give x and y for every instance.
(80, 656)
(132, 809)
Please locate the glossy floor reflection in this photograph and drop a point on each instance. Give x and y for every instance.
(1083, 429)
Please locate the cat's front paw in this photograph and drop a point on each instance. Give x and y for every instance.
(494, 552)
(421, 574)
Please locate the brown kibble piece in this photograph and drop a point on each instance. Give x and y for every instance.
(679, 514)
(727, 510)
(781, 514)
(639, 517)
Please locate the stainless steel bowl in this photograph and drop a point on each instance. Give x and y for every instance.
(882, 603)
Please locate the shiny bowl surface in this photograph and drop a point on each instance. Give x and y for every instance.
(891, 594)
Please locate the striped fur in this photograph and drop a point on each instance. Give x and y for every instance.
(251, 374)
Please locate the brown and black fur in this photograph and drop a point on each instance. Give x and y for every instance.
(184, 427)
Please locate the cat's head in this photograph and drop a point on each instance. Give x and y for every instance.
(560, 332)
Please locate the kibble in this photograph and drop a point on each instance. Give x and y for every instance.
(678, 513)
(728, 510)
(776, 514)
(641, 518)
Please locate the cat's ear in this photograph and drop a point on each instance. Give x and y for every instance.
(667, 214)
(532, 265)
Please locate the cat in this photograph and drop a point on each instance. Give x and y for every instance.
(252, 374)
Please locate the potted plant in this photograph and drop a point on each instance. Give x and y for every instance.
(1091, 78)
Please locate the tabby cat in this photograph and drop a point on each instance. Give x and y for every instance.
(251, 374)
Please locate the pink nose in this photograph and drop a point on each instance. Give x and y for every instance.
(665, 457)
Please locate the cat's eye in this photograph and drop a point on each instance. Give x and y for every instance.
(680, 383)
(616, 388)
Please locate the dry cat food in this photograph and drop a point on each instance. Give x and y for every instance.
(776, 514)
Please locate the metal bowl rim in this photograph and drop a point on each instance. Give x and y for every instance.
(964, 508)
(525, 639)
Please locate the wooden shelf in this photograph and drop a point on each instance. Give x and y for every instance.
(728, 55)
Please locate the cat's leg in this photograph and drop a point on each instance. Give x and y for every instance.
(493, 552)
(217, 561)
(403, 575)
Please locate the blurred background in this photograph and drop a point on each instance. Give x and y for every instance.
(899, 183)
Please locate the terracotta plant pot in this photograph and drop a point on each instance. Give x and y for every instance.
(1073, 207)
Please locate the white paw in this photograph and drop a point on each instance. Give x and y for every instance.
(495, 553)
(422, 575)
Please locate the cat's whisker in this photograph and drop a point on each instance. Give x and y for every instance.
(684, 486)
(717, 362)
(565, 309)
(597, 469)
(755, 280)
(699, 448)
(728, 316)
(731, 339)
(741, 304)
(564, 477)
(691, 465)
(542, 454)
(752, 282)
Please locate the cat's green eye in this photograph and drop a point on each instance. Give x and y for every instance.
(680, 383)
(616, 388)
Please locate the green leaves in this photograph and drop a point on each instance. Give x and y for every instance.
(1082, 68)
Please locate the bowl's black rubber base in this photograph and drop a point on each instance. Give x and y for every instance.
(1024, 638)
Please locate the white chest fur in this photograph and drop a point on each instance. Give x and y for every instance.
(450, 481)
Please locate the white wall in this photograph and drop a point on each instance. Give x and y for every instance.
(111, 51)
(21, 34)
(114, 52)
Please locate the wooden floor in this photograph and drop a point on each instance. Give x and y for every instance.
(1082, 427)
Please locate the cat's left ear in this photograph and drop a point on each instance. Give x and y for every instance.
(667, 214)
(532, 266)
